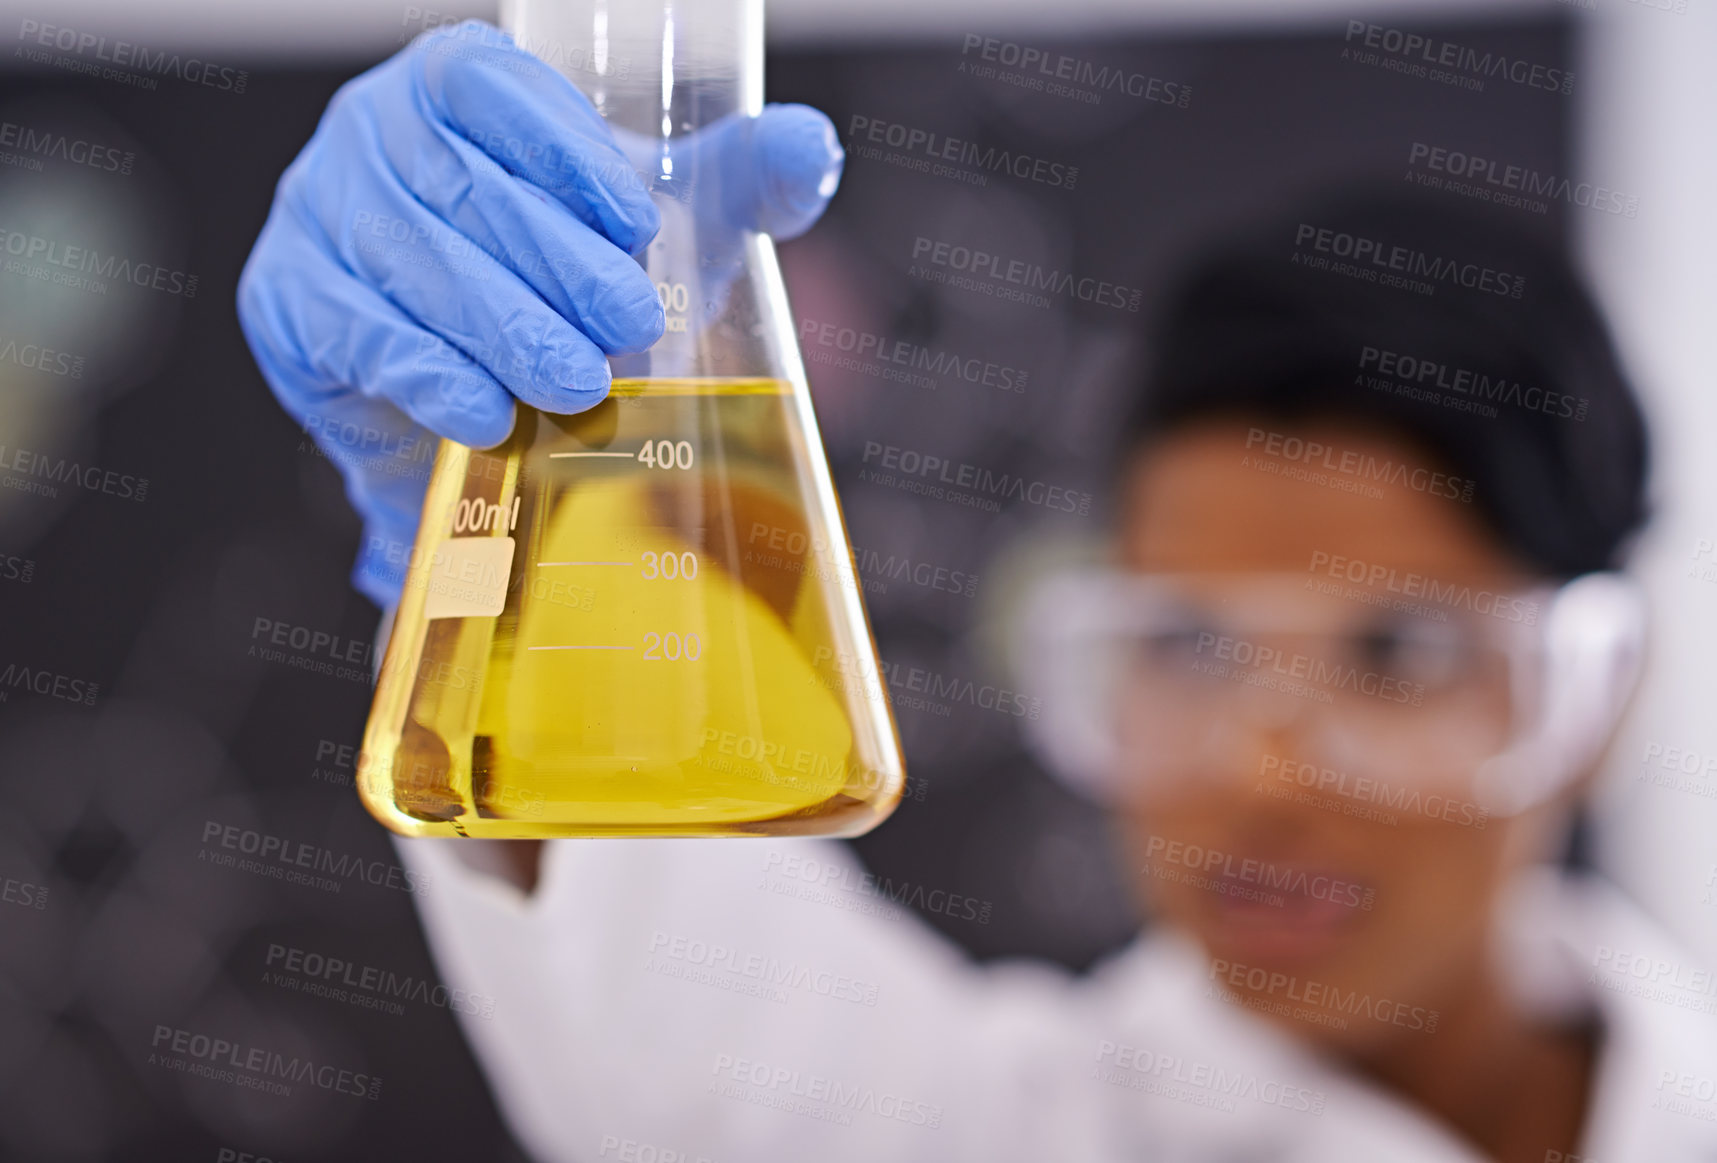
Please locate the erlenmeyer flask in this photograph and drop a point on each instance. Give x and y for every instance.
(644, 619)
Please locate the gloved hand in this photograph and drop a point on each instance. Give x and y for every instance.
(459, 232)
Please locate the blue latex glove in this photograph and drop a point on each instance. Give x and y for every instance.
(459, 232)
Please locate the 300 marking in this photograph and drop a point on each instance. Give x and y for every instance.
(670, 565)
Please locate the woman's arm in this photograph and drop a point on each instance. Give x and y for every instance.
(744, 1000)
(518, 862)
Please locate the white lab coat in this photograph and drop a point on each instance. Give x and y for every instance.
(842, 1028)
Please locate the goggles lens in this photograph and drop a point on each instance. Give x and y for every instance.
(1171, 677)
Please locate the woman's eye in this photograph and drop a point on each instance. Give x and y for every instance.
(1173, 643)
(1176, 647)
(1428, 655)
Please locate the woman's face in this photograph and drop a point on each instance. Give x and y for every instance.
(1322, 907)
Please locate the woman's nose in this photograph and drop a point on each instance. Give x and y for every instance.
(1272, 732)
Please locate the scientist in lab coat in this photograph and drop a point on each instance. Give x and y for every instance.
(1343, 680)
(1366, 946)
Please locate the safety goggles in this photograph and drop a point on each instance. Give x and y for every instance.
(1502, 697)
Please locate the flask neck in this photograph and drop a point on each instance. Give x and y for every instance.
(660, 69)
(662, 72)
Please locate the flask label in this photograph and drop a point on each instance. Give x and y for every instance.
(468, 577)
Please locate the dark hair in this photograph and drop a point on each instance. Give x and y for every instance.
(1258, 329)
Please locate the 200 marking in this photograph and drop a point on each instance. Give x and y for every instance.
(672, 647)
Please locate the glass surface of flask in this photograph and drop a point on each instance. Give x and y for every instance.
(644, 619)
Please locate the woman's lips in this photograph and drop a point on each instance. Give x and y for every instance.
(1269, 911)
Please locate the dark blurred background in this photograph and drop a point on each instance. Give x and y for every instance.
(156, 600)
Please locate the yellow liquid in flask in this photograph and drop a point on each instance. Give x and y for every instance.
(642, 619)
